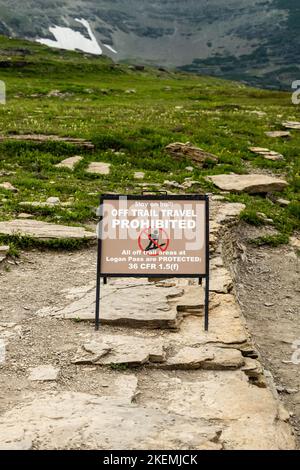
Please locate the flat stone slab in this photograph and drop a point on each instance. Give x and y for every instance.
(43, 230)
(134, 351)
(255, 183)
(291, 125)
(133, 304)
(139, 175)
(266, 153)
(283, 202)
(250, 417)
(225, 326)
(99, 168)
(43, 374)
(276, 134)
(127, 305)
(119, 350)
(208, 357)
(24, 215)
(180, 151)
(71, 420)
(70, 162)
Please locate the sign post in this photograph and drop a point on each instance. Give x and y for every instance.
(153, 236)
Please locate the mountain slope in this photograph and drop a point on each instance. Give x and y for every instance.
(252, 40)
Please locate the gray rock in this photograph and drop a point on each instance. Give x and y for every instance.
(139, 175)
(228, 212)
(99, 168)
(250, 417)
(53, 201)
(283, 202)
(206, 357)
(8, 187)
(276, 134)
(70, 162)
(266, 153)
(24, 215)
(254, 183)
(291, 125)
(71, 420)
(120, 350)
(134, 306)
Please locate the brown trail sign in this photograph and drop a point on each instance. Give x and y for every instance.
(153, 236)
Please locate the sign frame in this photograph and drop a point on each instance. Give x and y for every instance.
(155, 197)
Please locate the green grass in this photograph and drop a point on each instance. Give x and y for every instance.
(271, 240)
(130, 131)
(22, 242)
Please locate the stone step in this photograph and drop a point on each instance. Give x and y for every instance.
(132, 305)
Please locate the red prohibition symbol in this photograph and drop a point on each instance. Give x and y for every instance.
(152, 237)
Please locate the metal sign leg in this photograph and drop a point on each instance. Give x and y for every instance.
(206, 303)
(97, 319)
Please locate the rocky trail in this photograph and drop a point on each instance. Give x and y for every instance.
(151, 377)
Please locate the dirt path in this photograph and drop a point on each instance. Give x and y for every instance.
(268, 289)
(132, 385)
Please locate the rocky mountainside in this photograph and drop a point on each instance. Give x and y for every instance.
(251, 40)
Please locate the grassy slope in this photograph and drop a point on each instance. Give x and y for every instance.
(214, 114)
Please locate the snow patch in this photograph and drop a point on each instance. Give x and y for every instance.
(67, 38)
(110, 48)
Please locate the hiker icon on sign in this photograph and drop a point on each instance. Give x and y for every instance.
(154, 241)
